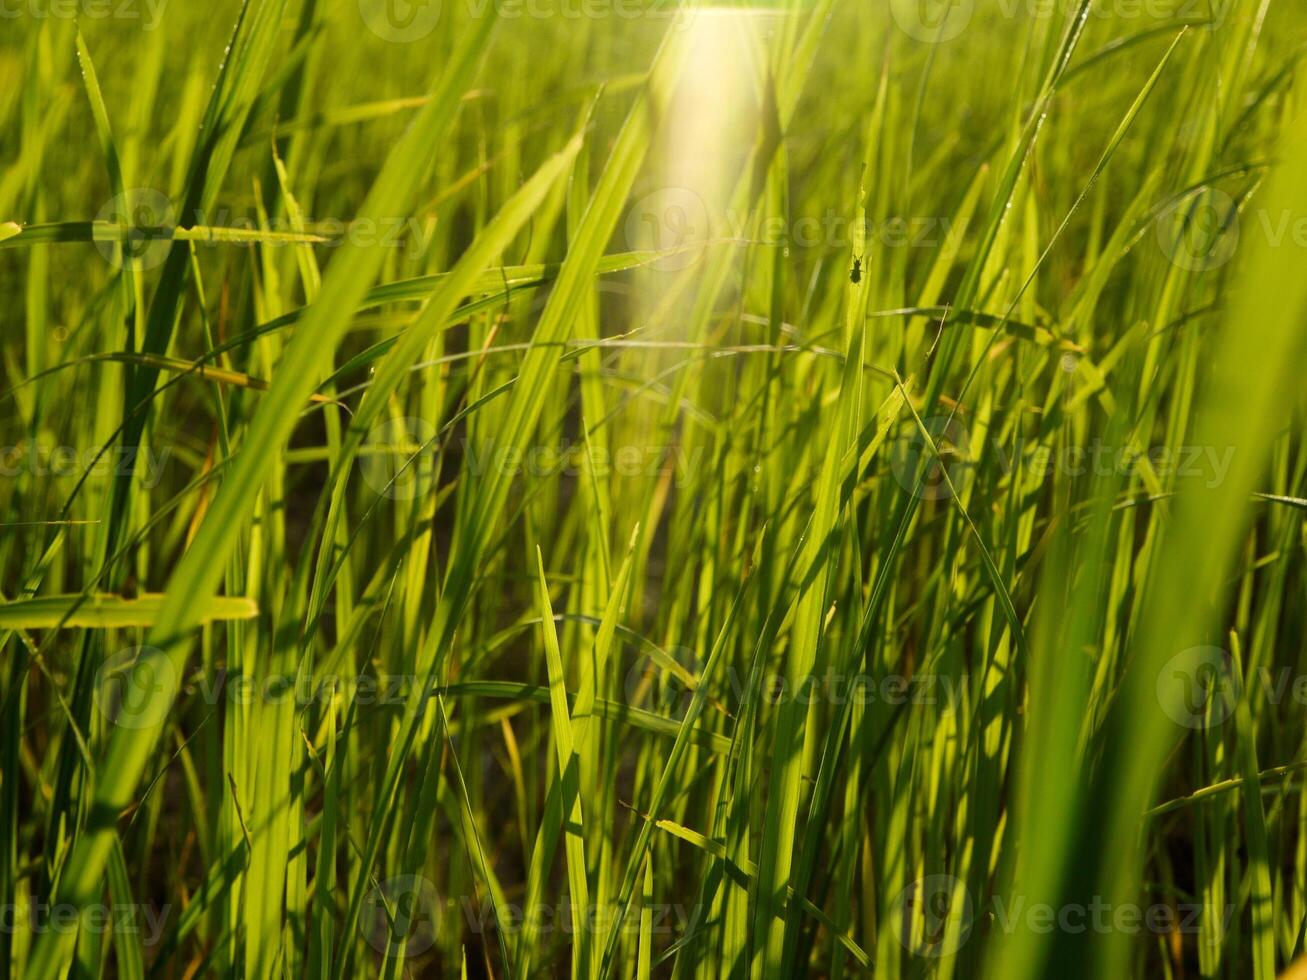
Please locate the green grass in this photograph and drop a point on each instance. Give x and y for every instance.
(600, 490)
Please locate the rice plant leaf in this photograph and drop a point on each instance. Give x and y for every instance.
(112, 611)
(568, 777)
